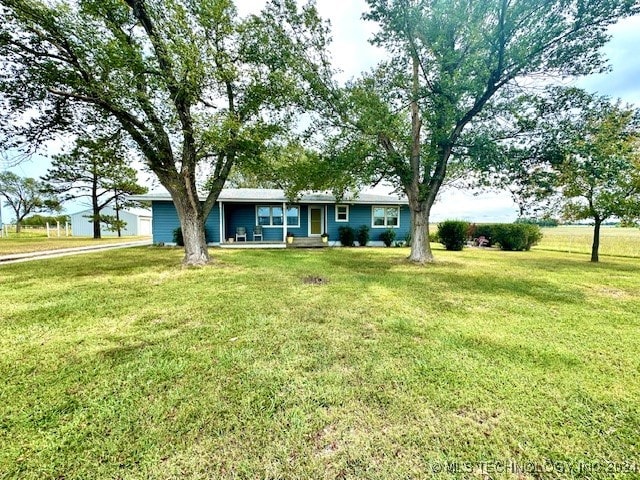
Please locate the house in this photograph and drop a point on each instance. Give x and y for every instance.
(308, 217)
(138, 221)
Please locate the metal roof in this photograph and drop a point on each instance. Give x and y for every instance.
(140, 212)
(252, 195)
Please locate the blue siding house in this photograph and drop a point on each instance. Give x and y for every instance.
(308, 216)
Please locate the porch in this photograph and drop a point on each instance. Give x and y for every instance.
(297, 242)
(266, 225)
(253, 244)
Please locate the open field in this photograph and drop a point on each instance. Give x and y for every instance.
(29, 242)
(578, 239)
(337, 363)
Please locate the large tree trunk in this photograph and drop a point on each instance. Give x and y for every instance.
(420, 209)
(596, 240)
(420, 247)
(192, 224)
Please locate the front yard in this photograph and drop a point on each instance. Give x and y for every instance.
(340, 363)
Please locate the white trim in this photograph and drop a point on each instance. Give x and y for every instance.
(221, 212)
(299, 215)
(322, 213)
(284, 221)
(373, 207)
(336, 212)
(284, 215)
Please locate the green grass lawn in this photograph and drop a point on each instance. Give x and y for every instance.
(27, 242)
(334, 363)
(578, 239)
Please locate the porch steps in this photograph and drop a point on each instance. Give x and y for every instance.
(307, 242)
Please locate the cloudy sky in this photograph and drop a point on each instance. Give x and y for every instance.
(352, 54)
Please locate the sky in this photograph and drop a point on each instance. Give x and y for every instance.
(352, 54)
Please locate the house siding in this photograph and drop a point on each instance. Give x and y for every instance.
(165, 221)
(362, 215)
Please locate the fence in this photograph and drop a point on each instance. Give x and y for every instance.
(50, 230)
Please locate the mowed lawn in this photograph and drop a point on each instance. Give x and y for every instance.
(335, 363)
(28, 243)
(614, 241)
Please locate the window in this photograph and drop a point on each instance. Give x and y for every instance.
(342, 213)
(272, 216)
(269, 216)
(293, 216)
(384, 217)
(264, 215)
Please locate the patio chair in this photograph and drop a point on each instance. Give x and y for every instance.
(241, 232)
(257, 232)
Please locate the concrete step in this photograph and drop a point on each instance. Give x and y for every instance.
(307, 242)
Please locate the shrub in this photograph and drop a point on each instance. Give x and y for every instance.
(178, 239)
(363, 235)
(453, 234)
(347, 236)
(487, 231)
(545, 221)
(517, 236)
(388, 236)
(433, 237)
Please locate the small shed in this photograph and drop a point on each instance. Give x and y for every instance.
(138, 223)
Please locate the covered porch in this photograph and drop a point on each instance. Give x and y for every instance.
(268, 224)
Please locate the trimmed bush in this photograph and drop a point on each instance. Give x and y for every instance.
(516, 236)
(453, 234)
(388, 236)
(487, 231)
(347, 236)
(178, 239)
(363, 235)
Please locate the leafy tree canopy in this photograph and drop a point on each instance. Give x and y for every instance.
(453, 71)
(195, 86)
(24, 196)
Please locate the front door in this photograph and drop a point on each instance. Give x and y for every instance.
(316, 221)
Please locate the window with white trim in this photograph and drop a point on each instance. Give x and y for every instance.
(293, 216)
(385, 217)
(272, 216)
(342, 213)
(269, 216)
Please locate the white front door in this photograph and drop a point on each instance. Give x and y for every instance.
(316, 221)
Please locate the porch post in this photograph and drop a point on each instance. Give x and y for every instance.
(221, 221)
(284, 222)
(326, 218)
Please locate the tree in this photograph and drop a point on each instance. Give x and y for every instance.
(96, 168)
(454, 64)
(24, 196)
(600, 173)
(192, 83)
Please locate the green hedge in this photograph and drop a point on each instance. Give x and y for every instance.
(509, 236)
(347, 236)
(453, 234)
(517, 236)
(388, 236)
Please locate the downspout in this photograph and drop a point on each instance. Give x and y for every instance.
(284, 222)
